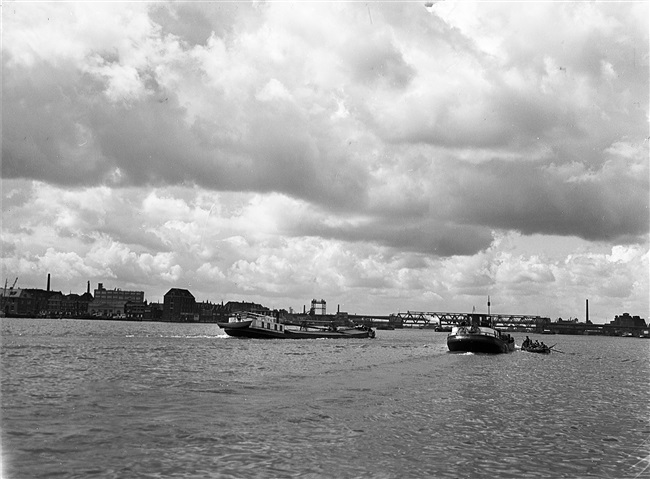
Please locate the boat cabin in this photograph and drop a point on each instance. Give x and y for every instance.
(480, 320)
(258, 321)
(267, 322)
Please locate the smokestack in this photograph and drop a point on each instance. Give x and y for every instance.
(587, 310)
(48, 281)
(88, 289)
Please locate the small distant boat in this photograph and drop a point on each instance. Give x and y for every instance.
(531, 346)
(479, 337)
(537, 349)
(252, 325)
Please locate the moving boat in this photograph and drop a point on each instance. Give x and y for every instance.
(253, 325)
(537, 349)
(330, 333)
(531, 346)
(479, 337)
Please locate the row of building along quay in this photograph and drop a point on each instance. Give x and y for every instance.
(179, 305)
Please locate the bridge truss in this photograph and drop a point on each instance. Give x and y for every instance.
(444, 319)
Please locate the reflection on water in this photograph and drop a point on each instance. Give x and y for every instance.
(119, 399)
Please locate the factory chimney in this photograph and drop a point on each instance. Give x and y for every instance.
(88, 288)
(48, 282)
(587, 311)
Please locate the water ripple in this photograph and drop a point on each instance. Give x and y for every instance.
(110, 400)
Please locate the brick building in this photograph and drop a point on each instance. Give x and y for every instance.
(179, 305)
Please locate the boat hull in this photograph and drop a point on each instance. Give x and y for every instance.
(251, 329)
(539, 350)
(469, 342)
(247, 331)
(344, 334)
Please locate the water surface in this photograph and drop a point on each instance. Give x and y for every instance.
(110, 399)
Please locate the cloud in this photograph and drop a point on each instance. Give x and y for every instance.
(391, 142)
(225, 247)
(606, 203)
(258, 113)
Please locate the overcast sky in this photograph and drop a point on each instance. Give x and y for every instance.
(384, 156)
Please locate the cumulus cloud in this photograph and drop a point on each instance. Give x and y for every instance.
(257, 112)
(225, 247)
(392, 142)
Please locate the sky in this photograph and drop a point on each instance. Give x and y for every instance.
(383, 156)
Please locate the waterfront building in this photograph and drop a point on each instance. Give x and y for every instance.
(77, 305)
(106, 310)
(232, 307)
(55, 304)
(209, 312)
(570, 320)
(153, 312)
(627, 321)
(117, 295)
(110, 303)
(25, 302)
(179, 305)
(17, 302)
(134, 310)
(68, 306)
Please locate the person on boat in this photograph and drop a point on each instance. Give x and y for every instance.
(526, 342)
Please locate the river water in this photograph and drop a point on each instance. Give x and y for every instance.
(84, 399)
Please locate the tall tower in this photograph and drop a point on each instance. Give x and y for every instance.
(318, 307)
(586, 310)
(48, 281)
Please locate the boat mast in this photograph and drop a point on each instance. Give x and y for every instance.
(489, 317)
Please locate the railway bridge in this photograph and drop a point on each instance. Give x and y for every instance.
(424, 319)
(446, 320)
